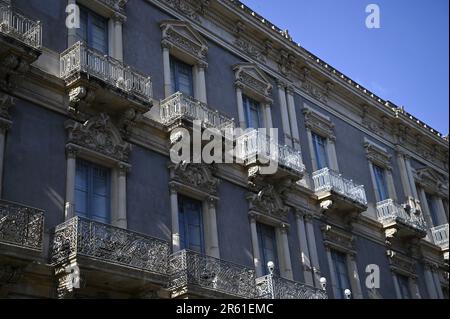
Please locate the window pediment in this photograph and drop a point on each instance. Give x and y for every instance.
(250, 78)
(108, 8)
(181, 36)
(432, 181)
(338, 239)
(401, 264)
(268, 202)
(318, 123)
(377, 155)
(99, 135)
(198, 177)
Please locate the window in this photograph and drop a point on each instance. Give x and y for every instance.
(267, 247)
(380, 181)
(182, 80)
(341, 273)
(320, 150)
(191, 224)
(432, 209)
(93, 30)
(92, 191)
(252, 112)
(403, 284)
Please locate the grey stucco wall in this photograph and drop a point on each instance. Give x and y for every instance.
(35, 160)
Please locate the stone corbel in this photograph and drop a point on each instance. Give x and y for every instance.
(80, 99)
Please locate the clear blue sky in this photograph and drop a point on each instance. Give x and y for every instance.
(406, 61)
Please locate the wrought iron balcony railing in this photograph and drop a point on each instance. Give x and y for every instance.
(327, 179)
(83, 237)
(180, 106)
(21, 225)
(20, 27)
(440, 235)
(82, 59)
(274, 287)
(255, 145)
(188, 268)
(389, 211)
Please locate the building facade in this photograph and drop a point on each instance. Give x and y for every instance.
(91, 206)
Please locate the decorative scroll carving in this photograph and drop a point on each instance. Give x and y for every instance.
(312, 89)
(268, 201)
(338, 239)
(401, 263)
(181, 35)
(377, 155)
(250, 77)
(431, 180)
(99, 134)
(10, 274)
(192, 9)
(200, 176)
(6, 102)
(250, 49)
(286, 62)
(318, 123)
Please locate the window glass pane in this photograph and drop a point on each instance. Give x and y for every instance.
(82, 30)
(268, 247)
(182, 79)
(190, 223)
(320, 145)
(92, 191)
(403, 283)
(252, 112)
(93, 30)
(381, 182)
(341, 273)
(432, 209)
(81, 189)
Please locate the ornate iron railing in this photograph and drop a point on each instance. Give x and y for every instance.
(191, 268)
(179, 106)
(440, 235)
(389, 211)
(21, 225)
(256, 145)
(82, 59)
(83, 237)
(274, 287)
(327, 179)
(20, 27)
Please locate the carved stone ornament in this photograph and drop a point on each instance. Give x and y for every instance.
(337, 238)
(181, 35)
(432, 181)
(192, 9)
(250, 49)
(199, 176)
(286, 62)
(311, 88)
(6, 101)
(268, 201)
(377, 155)
(318, 123)
(250, 77)
(99, 134)
(401, 263)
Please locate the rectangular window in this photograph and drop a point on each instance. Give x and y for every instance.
(341, 273)
(93, 30)
(191, 224)
(403, 284)
(92, 191)
(432, 209)
(320, 150)
(267, 247)
(182, 80)
(380, 180)
(252, 112)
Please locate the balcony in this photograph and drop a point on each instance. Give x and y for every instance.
(20, 43)
(109, 255)
(404, 219)
(179, 108)
(196, 275)
(21, 228)
(91, 77)
(337, 192)
(440, 238)
(257, 148)
(274, 287)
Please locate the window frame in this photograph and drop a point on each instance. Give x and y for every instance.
(91, 18)
(184, 224)
(261, 231)
(175, 66)
(249, 105)
(315, 139)
(340, 258)
(382, 185)
(90, 191)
